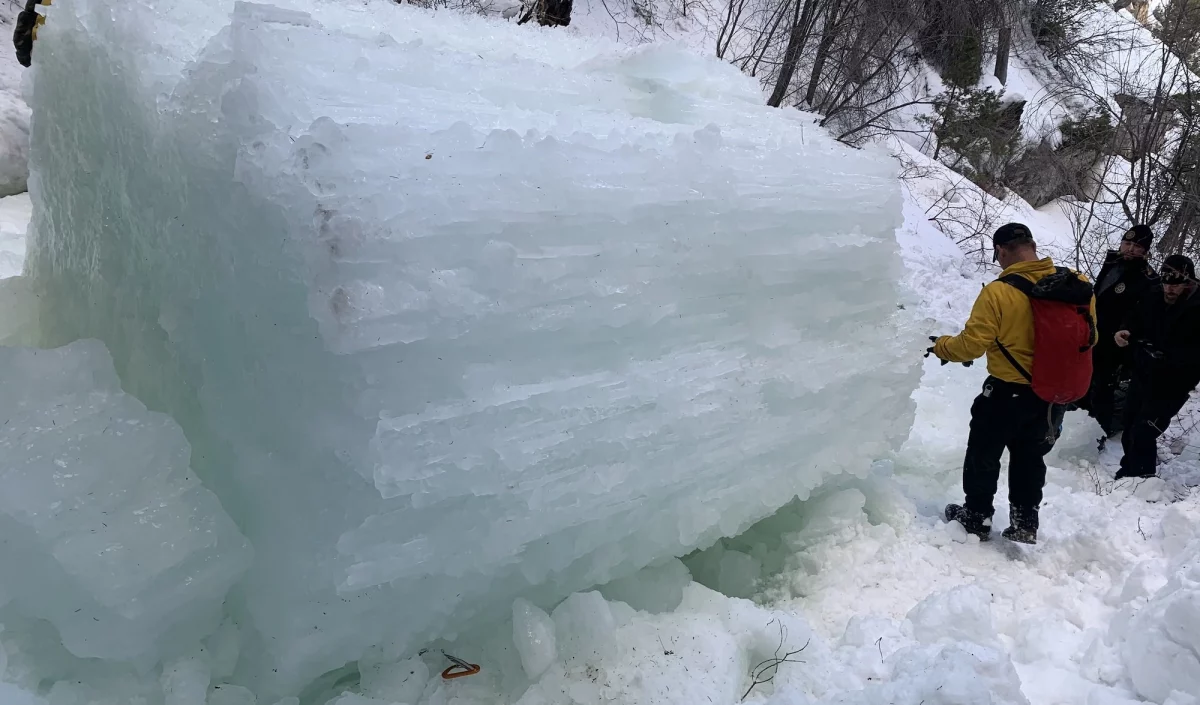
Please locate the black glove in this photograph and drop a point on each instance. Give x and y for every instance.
(929, 351)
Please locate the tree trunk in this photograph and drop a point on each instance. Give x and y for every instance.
(1172, 241)
(797, 38)
(554, 13)
(1003, 48)
(828, 33)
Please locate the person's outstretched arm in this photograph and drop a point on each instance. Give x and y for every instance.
(977, 335)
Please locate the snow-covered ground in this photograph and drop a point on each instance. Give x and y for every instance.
(1059, 610)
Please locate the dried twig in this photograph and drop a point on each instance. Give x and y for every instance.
(766, 671)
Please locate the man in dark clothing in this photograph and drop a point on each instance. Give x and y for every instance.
(24, 31)
(1125, 277)
(1164, 335)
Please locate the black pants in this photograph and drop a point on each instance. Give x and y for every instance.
(1109, 366)
(1148, 413)
(1007, 415)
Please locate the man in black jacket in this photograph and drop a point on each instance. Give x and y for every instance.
(23, 32)
(1164, 334)
(1125, 277)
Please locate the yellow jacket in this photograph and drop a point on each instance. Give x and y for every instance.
(1003, 312)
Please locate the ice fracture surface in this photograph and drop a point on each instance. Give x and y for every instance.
(107, 532)
(452, 313)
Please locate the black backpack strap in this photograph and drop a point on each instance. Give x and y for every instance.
(1025, 286)
(1018, 282)
(1013, 361)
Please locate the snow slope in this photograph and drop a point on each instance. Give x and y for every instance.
(1059, 610)
(14, 113)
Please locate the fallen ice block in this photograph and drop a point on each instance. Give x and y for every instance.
(107, 533)
(451, 311)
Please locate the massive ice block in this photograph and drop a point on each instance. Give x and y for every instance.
(452, 311)
(107, 533)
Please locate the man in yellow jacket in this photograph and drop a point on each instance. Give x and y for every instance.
(1006, 414)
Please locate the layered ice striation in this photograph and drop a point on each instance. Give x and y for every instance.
(453, 312)
(107, 533)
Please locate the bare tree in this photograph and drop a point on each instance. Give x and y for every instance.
(1148, 94)
(549, 13)
(804, 14)
(852, 61)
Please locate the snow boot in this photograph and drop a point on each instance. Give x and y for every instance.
(974, 522)
(1123, 473)
(1023, 525)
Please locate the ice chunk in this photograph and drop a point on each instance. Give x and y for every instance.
(224, 646)
(521, 325)
(534, 637)
(401, 682)
(15, 212)
(231, 695)
(108, 534)
(738, 573)
(185, 681)
(355, 699)
(18, 312)
(12, 695)
(656, 588)
(585, 631)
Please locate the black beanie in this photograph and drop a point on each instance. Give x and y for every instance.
(1174, 265)
(1140, 235)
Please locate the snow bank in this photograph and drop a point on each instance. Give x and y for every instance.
(716, 649)
(118, 544)
(1161, 643)
(14, 142)
(451, 313)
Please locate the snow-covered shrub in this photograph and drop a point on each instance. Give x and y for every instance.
(978, 133)
(1063, 163)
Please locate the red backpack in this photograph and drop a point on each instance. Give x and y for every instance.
(1063, 331)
